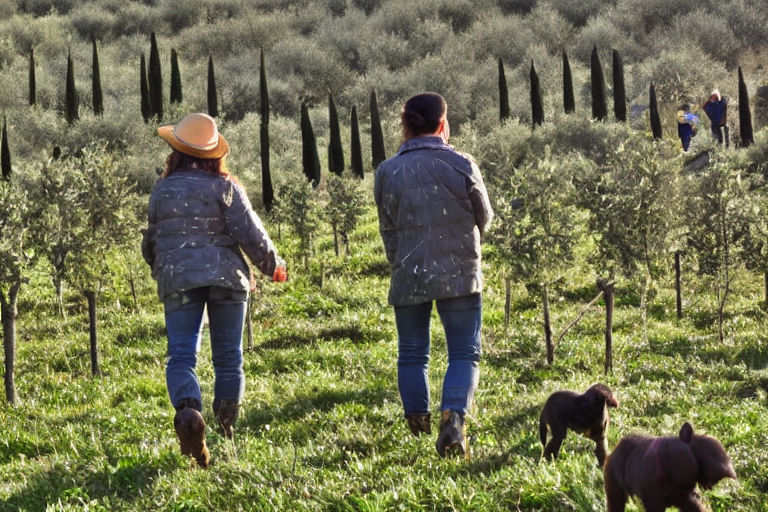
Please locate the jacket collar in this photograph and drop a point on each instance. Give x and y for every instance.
(424, 142)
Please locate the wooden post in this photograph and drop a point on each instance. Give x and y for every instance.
(8, 313)
(91, 296)
(547, 325)
(249, 320)
(678, 292)
(608, 287)
(507, 300)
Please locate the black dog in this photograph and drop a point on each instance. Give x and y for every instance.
(663, 471)
(585, 414)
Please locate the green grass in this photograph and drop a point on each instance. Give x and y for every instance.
(322, 427)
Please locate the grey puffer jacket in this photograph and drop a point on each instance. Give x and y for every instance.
(200, 224)
(433, 208)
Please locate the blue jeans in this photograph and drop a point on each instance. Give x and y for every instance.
(461, 319)
(183, 322)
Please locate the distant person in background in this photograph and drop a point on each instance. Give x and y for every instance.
(687, 125)
(200, 225)
(433, 208)
(716, 108)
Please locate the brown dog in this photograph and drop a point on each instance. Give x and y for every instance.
(663, 471)
(585, 414)
(190, 428)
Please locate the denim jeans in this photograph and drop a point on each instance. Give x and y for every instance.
(461, 319)
(183, 322)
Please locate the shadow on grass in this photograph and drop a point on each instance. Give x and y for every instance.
(124, 478)
(353, 333)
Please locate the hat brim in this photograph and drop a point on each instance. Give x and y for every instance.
(218, 151)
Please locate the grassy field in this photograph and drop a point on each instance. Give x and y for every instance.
(322, 427)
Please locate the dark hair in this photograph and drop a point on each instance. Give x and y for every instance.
(177, 161)
(422, 114)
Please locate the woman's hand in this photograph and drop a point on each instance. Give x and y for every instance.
(280, 275)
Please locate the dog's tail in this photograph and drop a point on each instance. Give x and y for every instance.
(542, 431)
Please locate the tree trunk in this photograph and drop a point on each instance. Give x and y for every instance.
(644, 307)
(249, 321)
(608, 289)
(91, 296)
(765, 287)
(507, 300)
(678, 291)
(345, 241)
(57, 284)
(547, 325)
(335, 240)
(8, 312)
(132, 283)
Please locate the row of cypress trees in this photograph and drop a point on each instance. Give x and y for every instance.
(599, 101)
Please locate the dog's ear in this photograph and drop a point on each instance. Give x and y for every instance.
(686, 432)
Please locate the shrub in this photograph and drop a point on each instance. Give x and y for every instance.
(93, 20)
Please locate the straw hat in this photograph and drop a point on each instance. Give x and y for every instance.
(195, 135)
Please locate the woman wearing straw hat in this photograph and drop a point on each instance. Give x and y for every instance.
(200, 225)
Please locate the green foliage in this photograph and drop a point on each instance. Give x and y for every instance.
(619, 94)
(14, 240)
(155, 79)
(5, 153)
(212, 96)
(355, 148)
(146, 107)
(310, 161)
(503, 93)
(569, 102)
(298, 204)
(71, 100)
(345, 206)
(31, 80)
(655, 119)
(537, 108)
(335, 150)
(98, 100)
(745, 114)
(378, 154)
(176, 91)
(597, 87)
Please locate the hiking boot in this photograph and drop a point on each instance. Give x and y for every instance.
(419, 423)
(226, 411)
(452, 439)
(190, 428)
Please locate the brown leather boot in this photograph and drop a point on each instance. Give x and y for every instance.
(190, 428)
(226, 412)
(452, 439)
(419, 423)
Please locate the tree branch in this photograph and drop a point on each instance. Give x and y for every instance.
(578, 317)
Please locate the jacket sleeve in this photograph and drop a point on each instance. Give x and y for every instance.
(386, 226)
(148, 235)
(246, 228)
(478, 195)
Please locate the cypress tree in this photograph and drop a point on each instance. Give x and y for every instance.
(98, 101)
(537, 108)
(355, 149)
(503, 93)
(569, 102)
(599, 105)
(310, 161)
(655, 118)
(619, 94)
(267, 193)
(155, 79)
(745, 115)
(213, 102)
(176, 95)
(32, 81)
(335, 151)
(70, 93)
(5, 153)
(377, 136)
(146, 109)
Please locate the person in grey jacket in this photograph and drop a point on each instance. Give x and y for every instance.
(433, 208)
(201, 225)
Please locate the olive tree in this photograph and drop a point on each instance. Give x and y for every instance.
(13, 260)
(345, 204)
(535, 229)
(84, 209)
